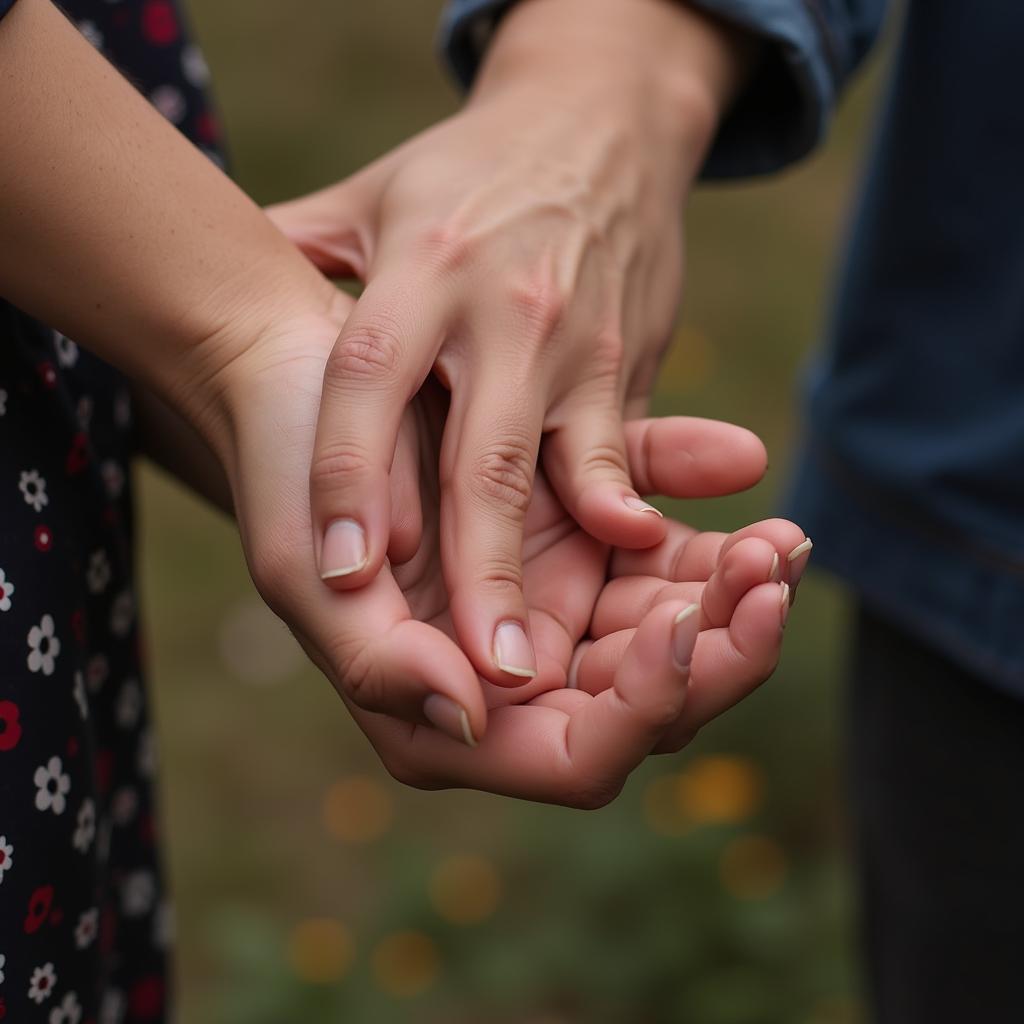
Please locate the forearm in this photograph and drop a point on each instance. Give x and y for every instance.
(661, 63)
(116, 230)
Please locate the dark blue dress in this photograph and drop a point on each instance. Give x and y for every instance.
(84, 925)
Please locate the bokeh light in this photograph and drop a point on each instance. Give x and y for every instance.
(752, 867)
(406, 963)
(358, 809)
(256, 646)
(320, 950)
(720, 790)
(465, 890)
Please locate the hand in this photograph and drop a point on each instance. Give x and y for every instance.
(528, 250)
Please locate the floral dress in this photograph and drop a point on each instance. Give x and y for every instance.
(84, 924)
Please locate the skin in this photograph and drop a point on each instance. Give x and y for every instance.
(140, 237)
(529, 252)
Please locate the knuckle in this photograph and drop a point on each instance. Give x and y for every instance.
(540, 304)
(445, 246)
(337, 462)
(371, 352)
(502, 475)
(604, 460)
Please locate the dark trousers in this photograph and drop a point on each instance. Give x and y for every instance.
(937, 785)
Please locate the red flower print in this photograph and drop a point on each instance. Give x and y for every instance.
(159, 24)
(78, 625)
(43, 538)
(10, 727)
(78, 456)
(147, 998)
(38, 908)
(207, 128)
(3, 1009)
(47, 374)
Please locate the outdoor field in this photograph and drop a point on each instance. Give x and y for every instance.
(309, 886)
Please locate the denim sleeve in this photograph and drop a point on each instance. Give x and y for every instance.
(782, 114)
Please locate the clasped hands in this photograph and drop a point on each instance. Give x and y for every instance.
(484, 583)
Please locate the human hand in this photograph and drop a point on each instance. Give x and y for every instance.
(528, 250)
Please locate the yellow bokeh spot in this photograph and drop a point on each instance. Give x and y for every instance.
(752, 867)
(320, 950)
(720, 790)
(662, 807)
(465, 890)
(406, 963)
(358, 809)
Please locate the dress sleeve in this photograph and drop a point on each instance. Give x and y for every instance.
(813, 46)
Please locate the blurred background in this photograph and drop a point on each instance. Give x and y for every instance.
(309, 886)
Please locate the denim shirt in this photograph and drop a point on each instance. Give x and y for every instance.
(911, 479)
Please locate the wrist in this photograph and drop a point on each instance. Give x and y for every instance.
(674, 70)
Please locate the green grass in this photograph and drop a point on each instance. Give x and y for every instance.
(632, 914)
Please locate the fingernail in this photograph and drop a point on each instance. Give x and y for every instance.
(451, 719)
(684, 635)
(344, 549)
(773, 572)
(784, 603)
(513, 652)
(797, 562)
(639, 505)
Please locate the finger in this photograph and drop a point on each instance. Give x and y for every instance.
(610, 736)
(586, 463)
(383, 353)
(626, 600)
(687, 554)
(577, 756)
(730, 663)
(689, 457)
(406, 508)
(329, 228)
(381, 660)
(488, 461)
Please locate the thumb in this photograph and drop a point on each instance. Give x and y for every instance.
(331, 227)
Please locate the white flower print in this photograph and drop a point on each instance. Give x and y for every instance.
(86, 830)
(98, 574)
(41, 985)
(138, 893)
(170, 102)
(67, 350)
(87, 928)
(69, 1011)
(80, 698)
(93, 34)
(112, 1007)
(194, 66)
(33, 489)
(6, 590)
(113, 478)
(43, 647)
(52, 786)
(3, 960)
(122, 613)
(3, 402)
(6, 857)
(129, 705)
